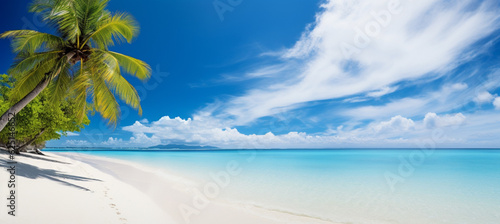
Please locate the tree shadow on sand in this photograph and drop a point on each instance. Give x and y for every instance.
(45, 158)
(33, 172)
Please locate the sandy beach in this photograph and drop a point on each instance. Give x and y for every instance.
(77, 188)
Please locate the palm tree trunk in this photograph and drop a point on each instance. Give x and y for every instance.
(4, 119)
(18, 150)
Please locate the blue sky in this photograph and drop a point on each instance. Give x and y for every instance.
(276, 74)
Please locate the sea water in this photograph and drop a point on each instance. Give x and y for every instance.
(442, 186)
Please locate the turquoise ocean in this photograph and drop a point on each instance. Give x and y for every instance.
(442, 186)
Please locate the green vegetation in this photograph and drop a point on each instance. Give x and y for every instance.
(40, 120)
(73, 64)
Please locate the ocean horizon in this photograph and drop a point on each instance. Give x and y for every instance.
(340, 185)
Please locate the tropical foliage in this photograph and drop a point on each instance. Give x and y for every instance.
(76, 58)
(40, 120)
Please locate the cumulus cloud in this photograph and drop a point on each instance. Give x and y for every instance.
(496, 103)
(78, 143)
(142, 139)
(432, 120)
(484, 97)
(397, 123)
(397, 131)
(197, 130)
(204, 131)
(387, 44)
(113, 142)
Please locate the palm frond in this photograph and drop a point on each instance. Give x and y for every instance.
(40, 5)
(60, 86)
(60, 14)
(15, 33)
(81, 87)
(89, 12)
(25, 63)
(68, 23)
(132, 66)
(48, 7)
(104, 100)
(30, 41)
(121, 87)
(29, 80)
(118, 28)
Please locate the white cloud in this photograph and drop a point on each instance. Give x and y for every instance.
(397, 123)
(397, 131)
(482, 129)
(381, 92)
(440, 101)
(405, 106)
(406, 47)
(78, 143)
(356, 99)
(267, 71)
(484, 97)
(142, 139)
(144, 121)
(496, 103)
(138, 139)
(432, 120)
(113, 142)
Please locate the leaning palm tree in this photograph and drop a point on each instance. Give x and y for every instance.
(76, 60)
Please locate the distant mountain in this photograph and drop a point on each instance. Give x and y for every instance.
(175, 146)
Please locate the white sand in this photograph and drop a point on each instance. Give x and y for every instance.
(55, 189)
(60, 188)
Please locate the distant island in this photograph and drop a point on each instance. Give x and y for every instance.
(176, 146)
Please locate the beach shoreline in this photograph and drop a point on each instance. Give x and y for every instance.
(78, 188)
(177, 197)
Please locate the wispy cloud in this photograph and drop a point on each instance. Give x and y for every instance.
(438, 101)
(381, 92)
(419, 40)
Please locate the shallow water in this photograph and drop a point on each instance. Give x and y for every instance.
(458, 186)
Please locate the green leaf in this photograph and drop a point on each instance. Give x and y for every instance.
(133, 66)
(29, 41)
(105, 101)
(117, 28)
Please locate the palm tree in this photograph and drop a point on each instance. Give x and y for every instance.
(76, 60)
